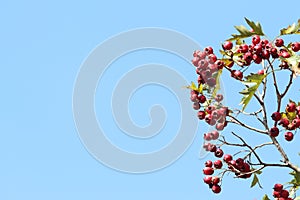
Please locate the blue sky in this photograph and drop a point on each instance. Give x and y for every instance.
(43, 45)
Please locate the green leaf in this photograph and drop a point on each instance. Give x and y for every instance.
(256, 27)
(217, 87)
(296, 178)
(254, 181)
(245, 33)
(291, 29)
(265, 197)
(252, 81)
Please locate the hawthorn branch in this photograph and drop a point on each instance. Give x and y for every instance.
(236, 121)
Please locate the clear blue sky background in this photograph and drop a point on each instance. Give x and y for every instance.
(42, 45)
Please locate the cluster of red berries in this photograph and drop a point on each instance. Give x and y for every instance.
(214, 114)
(290, 120)
(238, 166)
(279, 193)
(257, 51)
(207, 66)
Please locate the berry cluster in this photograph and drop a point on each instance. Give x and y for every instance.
(207, 66)
(238, 166)
(289, 120)
(279, 193)
(259, 50)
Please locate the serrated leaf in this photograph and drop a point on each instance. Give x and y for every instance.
(252, 81)
(255, 26)
(217, 87)
(245, 33)
(265, 197)
(254, 181)
(291, 29)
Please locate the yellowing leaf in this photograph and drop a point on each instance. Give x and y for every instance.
(217, 87)
(254, 181)
(291, 29)
(194, 87)
(265, 197)
(252, 81)
(294, 63)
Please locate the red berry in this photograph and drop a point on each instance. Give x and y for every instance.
(220, 126)
(219, 97)
(220, 64)
(227, 158)
(202, 98)
(201, 115)
(255, 39)
(288, 136)
(210, 108)
(278, 187)
(265, 54)
(216, 189)
(284, 193)
(219, 153)
(227, 45)
(208, 163)
(291, 107)
(276, 116)
(208, 171)
(212, 148)
(284, 122)
(257, 59)
(215, 180)
(296, 122)
(285, 54)
(207, 179)
(196, 106)
(212, 58)
(237, 74)
(215, 135)
(218, 164)
(296, 46)
(208, 50)
(274, 131)
(279, 42)
(276, 194)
